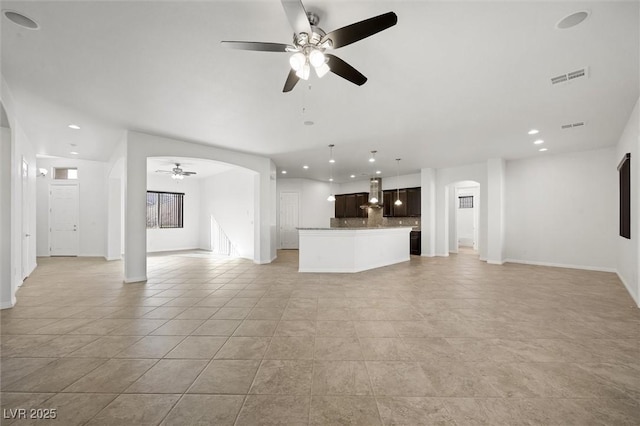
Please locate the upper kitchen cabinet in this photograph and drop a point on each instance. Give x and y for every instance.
(413, 202)
(410, 206)
(348, 205)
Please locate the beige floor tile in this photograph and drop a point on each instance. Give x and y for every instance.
(413, 411)
(105, 346)
(283, 377)
(254, 328)
(150, 347)
(113, 376)
(15, 368)
(205, 410)
(201, 313)
(226, 377)
(242, 302)
(140, 327)
(168, 376)
(296, 328)
(231, 313)
(274, 410)
(384, 348)
(214, 327)
(244, 348)
(55, 376)
(166, 313)
(61, 346)
(266, 313)
(375, 329)
(340, 378)
(135, 410)
(351, 410)
(335, 329)
(283, 347)
(102, 326)
(395, 378)
(197, 347)
(177, 328)
(337, 348)
(62, 326)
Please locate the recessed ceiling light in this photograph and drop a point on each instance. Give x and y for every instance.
(352, 176)
(305, 167)
(538, 142)
(533, 131)
(378, 172)
(74, 126)
(572, 20)
(284, 172)
(332, 161)
(542, 149)
(73, 152)
(330, 179)
(20, 19)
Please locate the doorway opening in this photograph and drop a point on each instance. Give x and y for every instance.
(464, 217)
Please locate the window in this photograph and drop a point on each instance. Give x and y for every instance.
(624, 172)
(164, 209)
(466, 202)
(65, 173)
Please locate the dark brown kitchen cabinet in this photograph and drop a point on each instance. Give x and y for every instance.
(413, 202)
(415, 243)
(340, 205)
(387, 204)
(348, 205)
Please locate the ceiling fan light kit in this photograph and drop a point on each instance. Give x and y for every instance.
(177, 173)
(310, 44)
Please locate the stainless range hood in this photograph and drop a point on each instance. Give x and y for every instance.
(375, 199)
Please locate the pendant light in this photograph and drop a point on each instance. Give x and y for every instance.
(331, 197)
(374, 186)
(398, 202)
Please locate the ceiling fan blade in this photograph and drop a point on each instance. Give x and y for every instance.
(344, 70)
(163, 171)
(363, 29)
(257, 46)
(292, 79)
(188, 173)
(297, 16)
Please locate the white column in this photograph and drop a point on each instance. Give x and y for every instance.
(428, 211)
(135, 227)
(7, 298)
(496, 206)
(114, 214)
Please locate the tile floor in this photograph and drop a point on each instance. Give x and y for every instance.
(217, 341)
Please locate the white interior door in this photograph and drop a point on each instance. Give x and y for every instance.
(26, 234)
(289, 220)
(63, 220)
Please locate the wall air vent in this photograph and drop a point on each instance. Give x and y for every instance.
(573, 125)
(570, 76)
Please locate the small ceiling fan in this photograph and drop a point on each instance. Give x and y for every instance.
(177, 172)
(310, 44)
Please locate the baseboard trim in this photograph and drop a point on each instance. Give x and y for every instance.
(109, 259)
(562, 265)
(496, 262)
(628, 287)
(135, 280)
(8, 305)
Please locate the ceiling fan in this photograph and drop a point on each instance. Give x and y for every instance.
(310, 44)
(177, 172)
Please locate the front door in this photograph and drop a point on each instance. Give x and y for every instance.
(289, 220)
(64, 220)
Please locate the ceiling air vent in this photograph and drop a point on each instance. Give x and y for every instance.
(573, 125)
(570, 76)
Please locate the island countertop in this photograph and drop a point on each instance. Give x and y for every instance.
(355, 228)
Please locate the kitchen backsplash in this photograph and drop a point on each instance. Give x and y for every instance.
(355, 222)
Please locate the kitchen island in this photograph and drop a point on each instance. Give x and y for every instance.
(351, 249)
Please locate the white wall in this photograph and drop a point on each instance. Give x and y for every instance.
(315, 211)
(229, 197)
(5, 218)
(628, 250)
(185, 238)
(561, 210)
(20, 148)
(92, 204)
